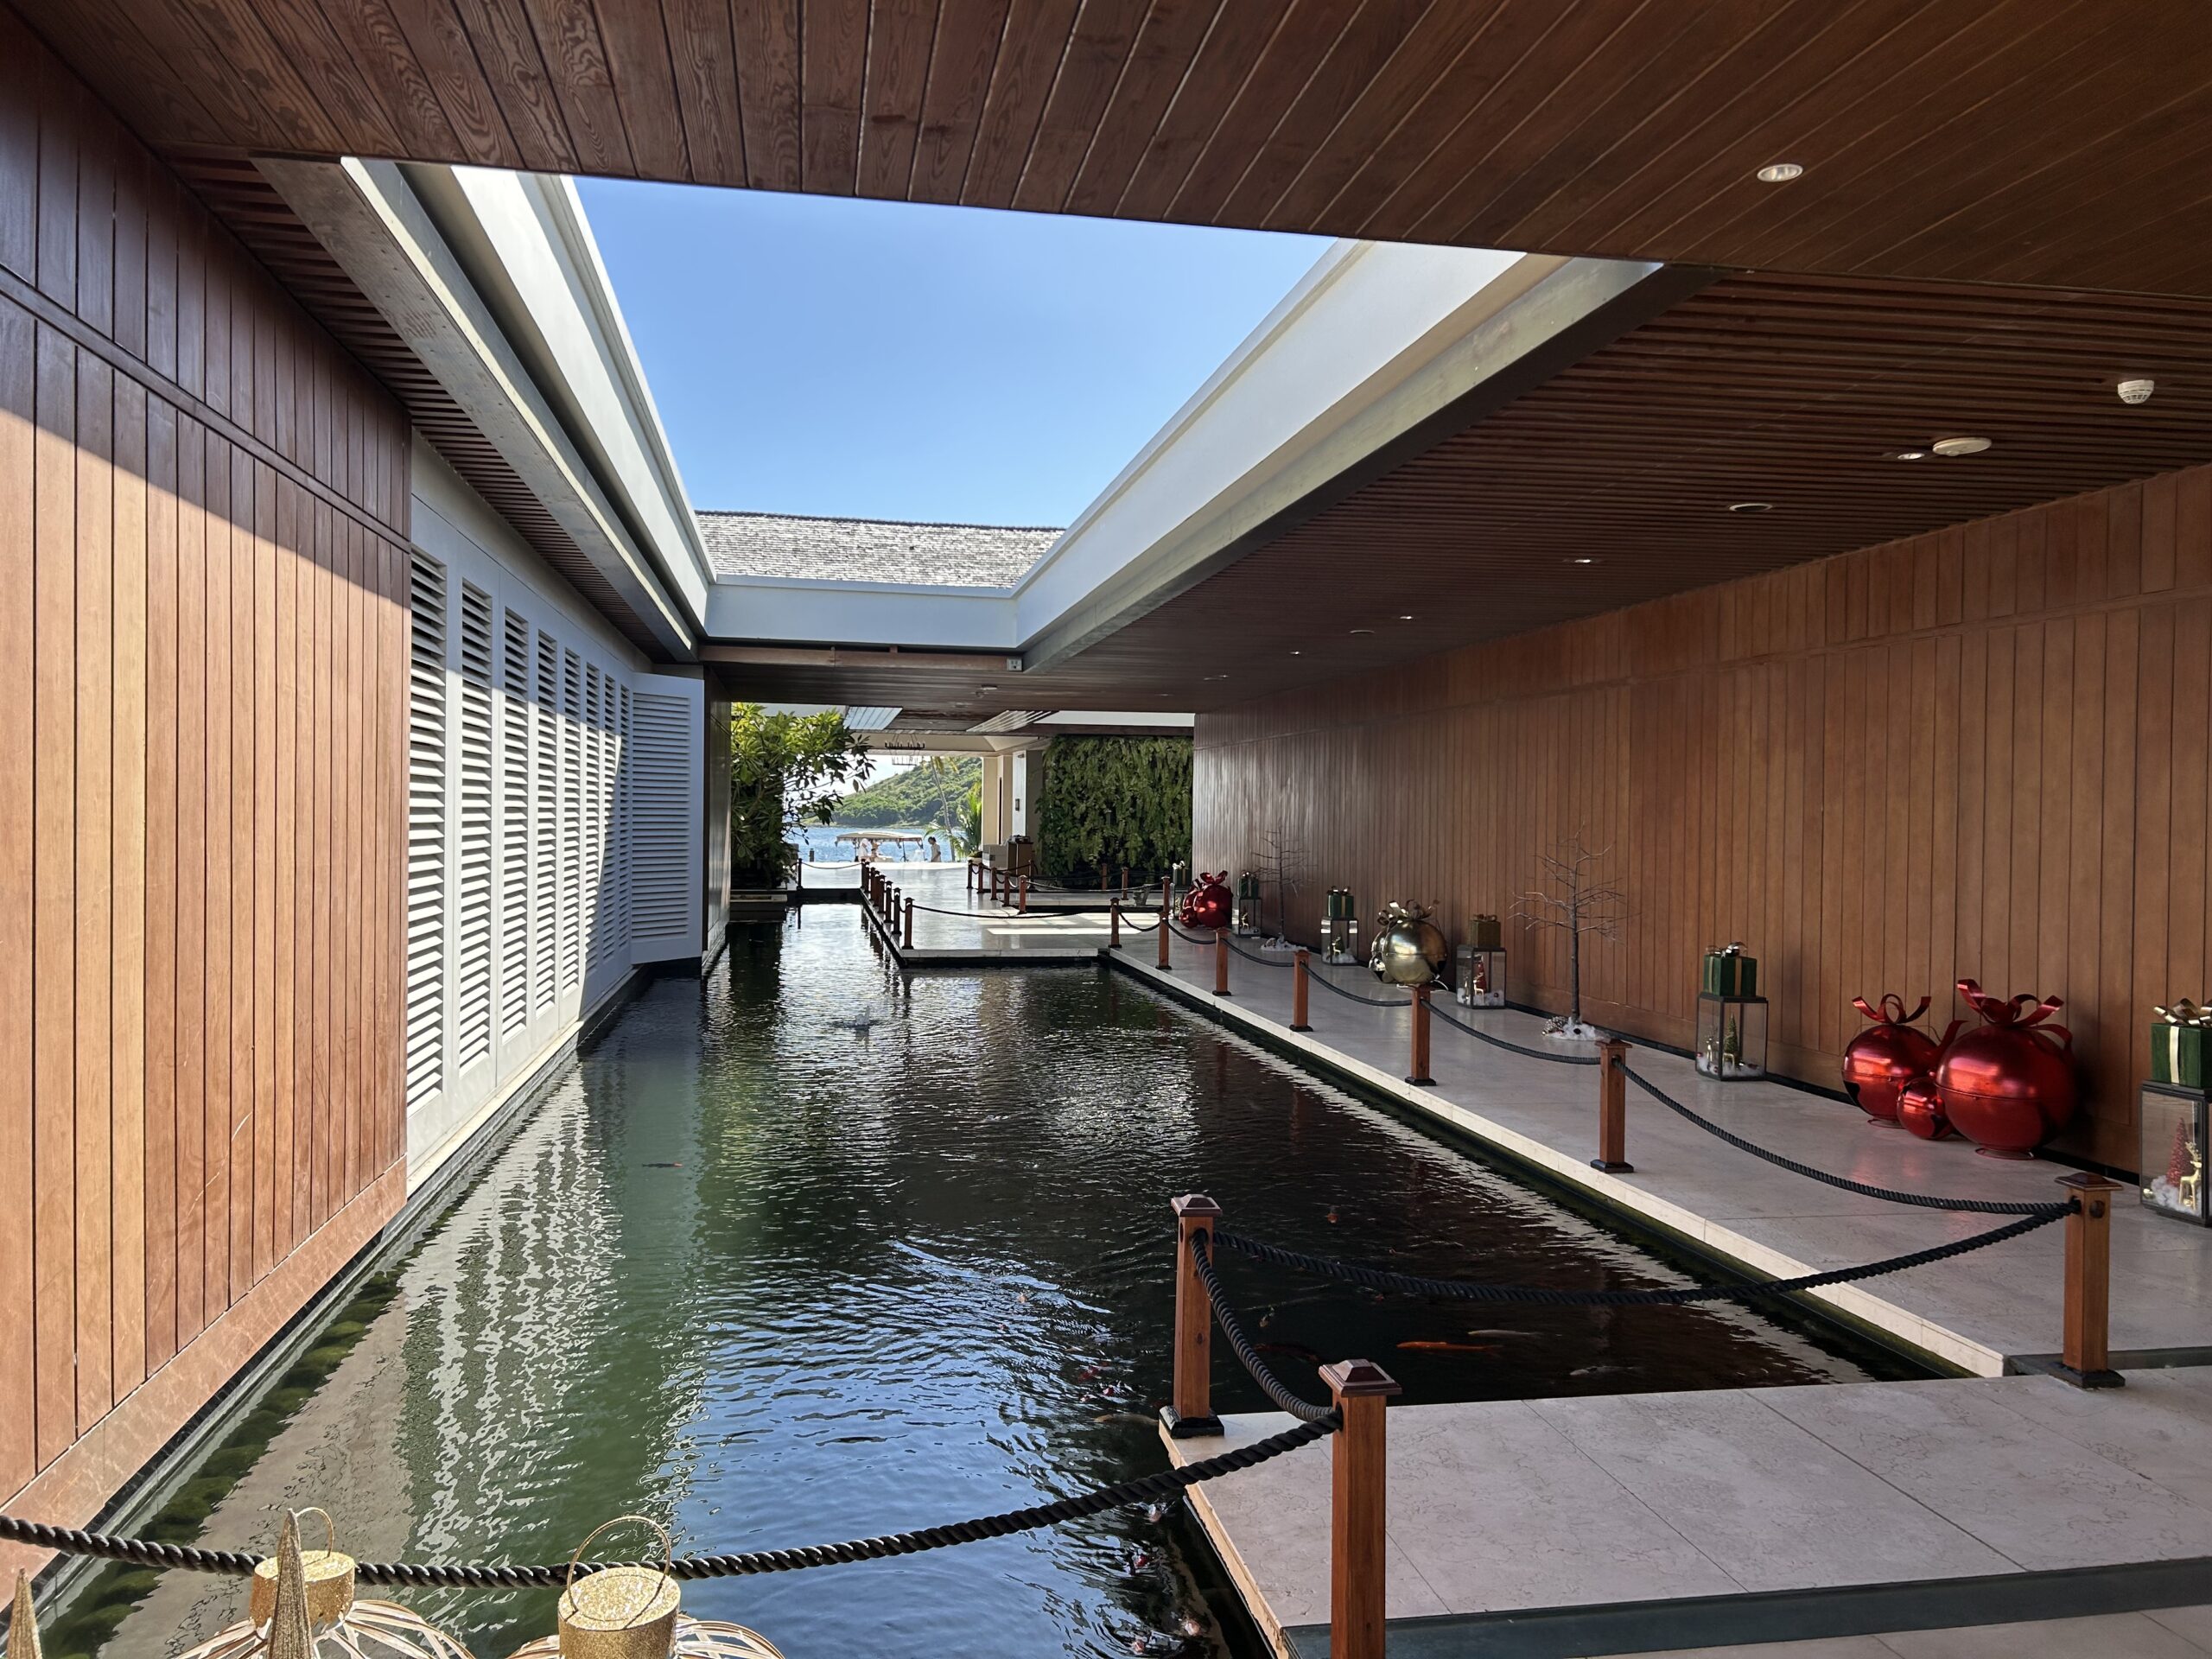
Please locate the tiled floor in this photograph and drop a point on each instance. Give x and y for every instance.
(1495, 1506)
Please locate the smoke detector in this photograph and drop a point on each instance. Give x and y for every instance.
(2136, 391)
(1960, 446)
(1780, 172)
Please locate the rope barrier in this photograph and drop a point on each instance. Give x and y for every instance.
(1541, 1296)
(1328, 984)
(1890, 1195)
(1241, 1344)
(1512, 1047)
(1264, 960)
(1145, 1489)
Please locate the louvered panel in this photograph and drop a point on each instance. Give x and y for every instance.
(572, 820)
(473, 910)
(596, 822)
(625, 824)
(544, 858)
(665, 896)
(514, 830)
(426, 830)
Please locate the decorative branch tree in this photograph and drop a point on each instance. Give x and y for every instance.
(1576, 907)
(1281, 862)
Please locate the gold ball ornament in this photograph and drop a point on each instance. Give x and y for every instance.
(636, 1612)
(302, 1606)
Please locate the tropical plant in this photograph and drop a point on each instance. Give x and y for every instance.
(926, 795)
(786, 770)
(1104, 803)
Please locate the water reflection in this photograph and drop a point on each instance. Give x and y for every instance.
(804, 1252)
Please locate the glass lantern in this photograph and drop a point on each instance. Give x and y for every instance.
(2174, 1128)
(1482, 976)
(1339, 927)
(1730, 1036)
(1247, 904)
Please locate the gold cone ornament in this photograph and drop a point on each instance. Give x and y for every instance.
(302, 1606)
(636, 1612)
(22, 1623)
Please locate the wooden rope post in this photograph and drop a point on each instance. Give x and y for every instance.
(1125, 880)
(1167, 958)
(1301, 967)
(1190, 1414)
(1612, 1109)
(1358, 1486)
(1419, 1074)
(1022, 908)
(1221, 962)
(1114, 937)
(2086, 1357)
(909, 939)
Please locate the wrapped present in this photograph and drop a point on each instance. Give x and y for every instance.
(2177, 1045)
(1729, 972)
(1484, 934)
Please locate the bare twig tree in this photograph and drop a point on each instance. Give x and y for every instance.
(1576, 907)
(1280, 863)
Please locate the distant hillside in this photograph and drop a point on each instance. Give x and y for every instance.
(917, 796)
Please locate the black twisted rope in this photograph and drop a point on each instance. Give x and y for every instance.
(1264, 960)
(1190, 938)
(1241, 1344)
(1920, 1200)
(1541, 1296)
(1145, 1489)
(1512, 1047)
(1328, 984)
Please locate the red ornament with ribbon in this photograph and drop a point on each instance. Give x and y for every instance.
(2007, 1085)
(1920, 1109)
(1889, 1054)
(1209, 904)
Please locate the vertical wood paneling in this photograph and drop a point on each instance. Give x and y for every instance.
(199, 493)
(1980, 752)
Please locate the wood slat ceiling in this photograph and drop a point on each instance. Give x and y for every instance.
(258, 217)
(2057, 142)
(1796, 391)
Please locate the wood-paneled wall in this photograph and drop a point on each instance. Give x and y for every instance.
(203, 512)
(1978, 753)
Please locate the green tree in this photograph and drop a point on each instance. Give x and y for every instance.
(786, 770)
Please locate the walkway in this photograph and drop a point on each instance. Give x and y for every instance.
(1668, 1521)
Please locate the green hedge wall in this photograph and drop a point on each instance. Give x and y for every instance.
(1112, 800)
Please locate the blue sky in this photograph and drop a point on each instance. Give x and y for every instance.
(885, 360)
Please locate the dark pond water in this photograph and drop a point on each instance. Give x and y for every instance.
(800, 1254)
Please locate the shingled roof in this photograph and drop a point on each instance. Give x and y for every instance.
(871, 549)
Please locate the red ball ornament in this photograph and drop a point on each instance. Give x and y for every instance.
(1209, 904)
(1920, 1109)
(2008, 1083)
(1886, 1056)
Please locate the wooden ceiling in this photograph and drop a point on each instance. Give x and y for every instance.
(1799, 392)
(2058, 142)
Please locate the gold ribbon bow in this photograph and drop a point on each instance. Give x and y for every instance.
(2185, 1013)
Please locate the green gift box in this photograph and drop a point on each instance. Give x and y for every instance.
(1484, 934)
(1729, 972)
(2178, 1045)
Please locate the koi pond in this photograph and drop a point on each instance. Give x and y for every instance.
(801, 1253)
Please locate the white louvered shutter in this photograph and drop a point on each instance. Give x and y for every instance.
(595, 908)
(473, 944)
(625, 826)
(572, 820)
(666, 785)
(514, 825)
(426, 830)
(544, 869)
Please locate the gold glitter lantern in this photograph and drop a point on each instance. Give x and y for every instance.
(22, 1623)
(636, 1612)
(302, 1606)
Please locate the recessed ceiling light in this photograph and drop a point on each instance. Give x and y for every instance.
(1780, 173)
(1912, 455)
(1217, 677)
(1960, 446)
(1750, 507)
(1357, 632)
(1405, 616)
(1584, 559)
(1297, 654)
